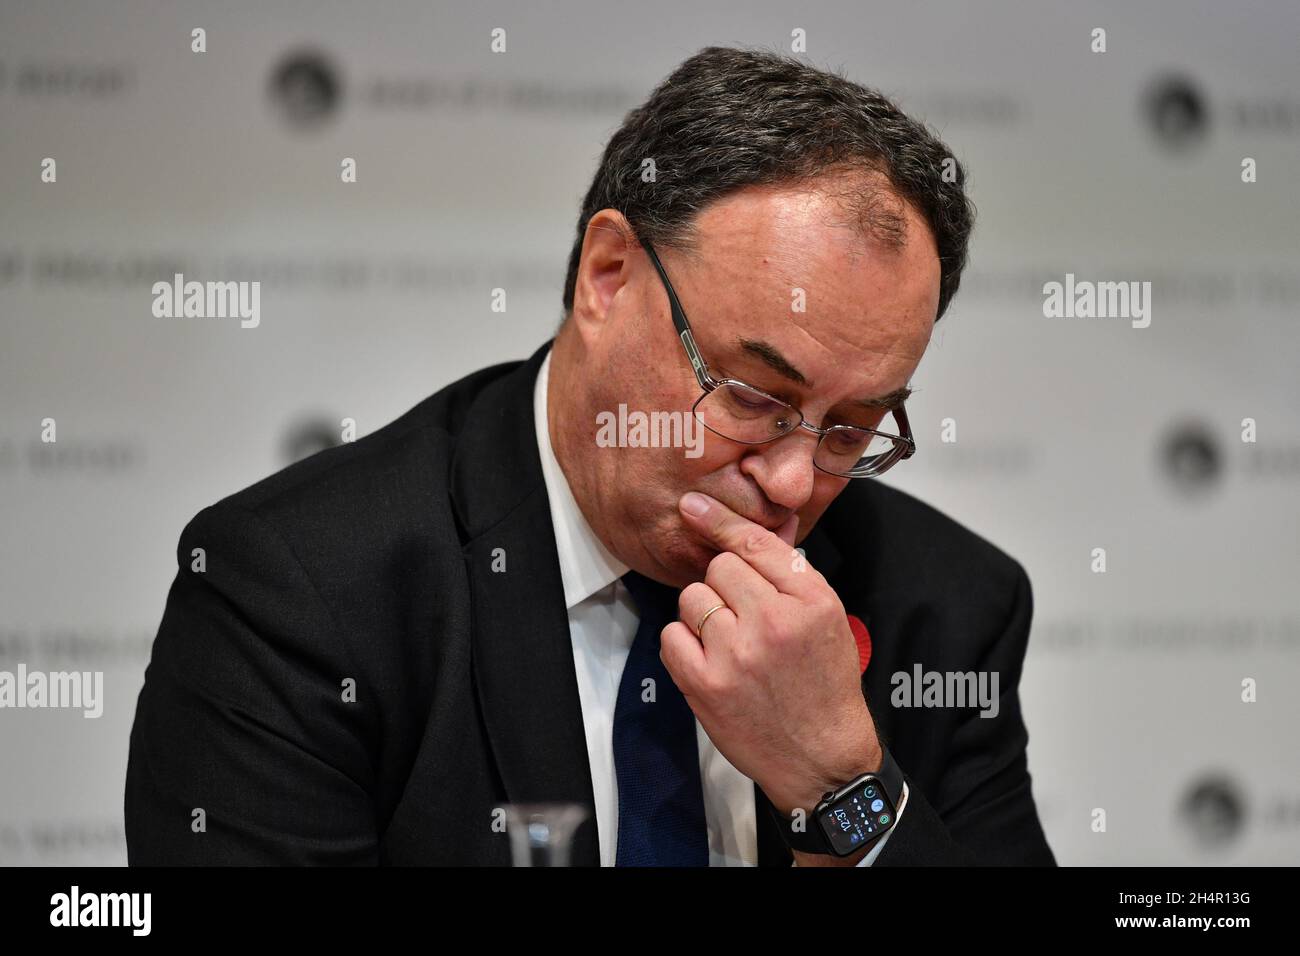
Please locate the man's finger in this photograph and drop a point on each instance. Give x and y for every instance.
(767, 553)
(683, 656)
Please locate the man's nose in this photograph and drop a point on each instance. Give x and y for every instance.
(784, 468)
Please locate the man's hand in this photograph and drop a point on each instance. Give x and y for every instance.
(774, 678)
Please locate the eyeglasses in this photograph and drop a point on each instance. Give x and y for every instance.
(743, 413)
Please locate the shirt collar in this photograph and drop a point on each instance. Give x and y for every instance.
(586, 565)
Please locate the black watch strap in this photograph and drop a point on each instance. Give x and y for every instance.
(811, 839)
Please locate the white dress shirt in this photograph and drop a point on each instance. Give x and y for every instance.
(602, 623)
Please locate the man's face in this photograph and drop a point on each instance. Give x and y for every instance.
(867, 317)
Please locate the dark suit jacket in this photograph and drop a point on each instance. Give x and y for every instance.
(372, 563)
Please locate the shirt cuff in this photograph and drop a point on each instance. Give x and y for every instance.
(880, 844)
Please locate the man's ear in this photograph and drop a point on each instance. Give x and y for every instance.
(608, 249)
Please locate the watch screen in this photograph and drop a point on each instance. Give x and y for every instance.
(857, 818)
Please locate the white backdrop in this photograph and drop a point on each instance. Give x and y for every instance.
(1072, 434)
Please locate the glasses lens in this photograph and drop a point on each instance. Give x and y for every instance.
(744, 414)
(857, 452)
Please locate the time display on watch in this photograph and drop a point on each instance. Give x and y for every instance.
(858, 817)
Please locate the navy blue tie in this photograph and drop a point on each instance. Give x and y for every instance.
(656, 759)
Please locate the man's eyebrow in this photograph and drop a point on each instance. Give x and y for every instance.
(780, 364)
(775, 359)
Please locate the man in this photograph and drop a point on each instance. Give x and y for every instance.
(502, 597)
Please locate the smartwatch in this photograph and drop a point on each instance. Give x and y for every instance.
(854, 816)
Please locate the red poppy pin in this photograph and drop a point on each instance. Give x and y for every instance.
(863, 639)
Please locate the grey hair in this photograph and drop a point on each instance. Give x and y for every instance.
(728, 118)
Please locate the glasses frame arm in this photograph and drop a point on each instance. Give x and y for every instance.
(701, 368)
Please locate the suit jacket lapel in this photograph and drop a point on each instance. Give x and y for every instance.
(522, 654)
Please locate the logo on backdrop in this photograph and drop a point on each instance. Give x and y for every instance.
(307, 436)
(1177, 112)
(1213, 810)
(1190, 457)
(306, 88)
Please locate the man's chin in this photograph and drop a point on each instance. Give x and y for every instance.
(686, 561)
(699, 562)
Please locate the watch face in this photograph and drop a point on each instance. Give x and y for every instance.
(857, 818)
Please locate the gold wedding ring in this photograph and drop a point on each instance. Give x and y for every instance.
(699, 628)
